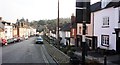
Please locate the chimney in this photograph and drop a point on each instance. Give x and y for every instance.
(73, 18)
(0, 18)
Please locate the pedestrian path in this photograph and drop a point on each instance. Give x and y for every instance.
(99, 59)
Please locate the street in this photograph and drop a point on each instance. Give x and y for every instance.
(26, 52)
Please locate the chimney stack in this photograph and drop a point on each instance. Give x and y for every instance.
(0, 18)
(73, 18)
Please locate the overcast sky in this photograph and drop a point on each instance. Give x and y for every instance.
(36, 9)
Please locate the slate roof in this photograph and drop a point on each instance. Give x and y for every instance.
(66, 27)
(97, 6)
(1, 25)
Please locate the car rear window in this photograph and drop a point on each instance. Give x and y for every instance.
(39, 38)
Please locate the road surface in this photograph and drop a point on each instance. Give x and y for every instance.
(26, 52)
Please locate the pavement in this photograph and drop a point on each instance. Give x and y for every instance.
(26, 52)
(111, 59)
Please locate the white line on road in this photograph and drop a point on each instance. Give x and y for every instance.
(43, 55)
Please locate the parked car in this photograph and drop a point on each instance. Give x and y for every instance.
(21, 38)
(15, 39)
(10, 40)
(39, 40)
(26, 37)
(4, 42)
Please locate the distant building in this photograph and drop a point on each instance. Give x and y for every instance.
(65, 34)
(15, 30)
(8, 31)
(23, 27)
(73, 30)
(32, 31)
(1, 28)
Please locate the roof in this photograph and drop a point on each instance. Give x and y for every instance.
(117, 4)
(3, 22)
(97, 6)
(1, 25)
(66, 27)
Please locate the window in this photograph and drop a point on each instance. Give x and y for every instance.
(22, 24)
(106, 21)
(80, 30)
(73, 31)
(86, 29)
(105, 40)
(5, 31)
(119, 16)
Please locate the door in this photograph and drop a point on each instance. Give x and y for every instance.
(118, 44)
(94, 43)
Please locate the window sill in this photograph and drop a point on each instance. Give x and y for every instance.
(105, 26)
(106, 45)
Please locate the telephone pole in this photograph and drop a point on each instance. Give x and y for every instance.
(58, 43)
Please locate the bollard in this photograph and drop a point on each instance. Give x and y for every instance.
(105, 60)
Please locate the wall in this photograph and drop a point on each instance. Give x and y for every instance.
(2, 34)
(89, 26)
(98, 23)
(15, 32)
(9, 31)
(62, 35)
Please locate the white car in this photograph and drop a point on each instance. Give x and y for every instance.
(26, 37)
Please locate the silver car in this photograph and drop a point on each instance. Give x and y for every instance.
(39, 40)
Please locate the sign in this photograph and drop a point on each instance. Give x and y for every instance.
(83, 11)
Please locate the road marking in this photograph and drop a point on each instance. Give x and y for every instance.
(43, 55)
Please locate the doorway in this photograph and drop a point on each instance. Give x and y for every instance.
(118, 45)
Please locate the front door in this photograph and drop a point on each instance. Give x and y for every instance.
(118, 44)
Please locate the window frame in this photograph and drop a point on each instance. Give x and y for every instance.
(105, 40)
(80, 30)
(105, 22)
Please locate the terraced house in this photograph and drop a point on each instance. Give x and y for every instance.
(7, 30)
(1, 28)
(23, 28)
(107, 25)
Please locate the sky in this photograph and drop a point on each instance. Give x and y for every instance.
(11, 10)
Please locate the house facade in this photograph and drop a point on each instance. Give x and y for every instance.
(32, 31)
(15, 30)
(90, 38)
(1, 29)
(73, 30)
(23, 28)
(8, 30)
(65, 34)
(106, 26)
